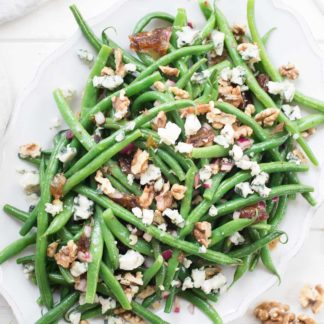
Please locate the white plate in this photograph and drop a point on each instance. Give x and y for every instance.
(291, 42)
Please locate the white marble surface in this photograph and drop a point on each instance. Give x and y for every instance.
(25, 42)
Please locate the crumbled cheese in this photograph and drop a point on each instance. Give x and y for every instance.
(182, 147)
(151, 173)
(285, 89)
(100, 118)
(130, 67)
(147, 237)
(236, 215)
(115, 320)
(249, 52)
(218, 38)
(187, 263)
(68, 93)
(202, 249)
(148, 215)
(187, 36)
(238, 75)
(215, 283)
(198, 276)
(158, 184)
(170, 133)
(78, 268)
(82, 207)
(226, 137)
(213, 211)
(291, 157)
(75, 317)
(120, 136)
(163, 227)
(130, 126)
(130, 260)
(187, 284)
(109, 82)
(54, 209)
(243, 189)
(200, 77)
(32, 199)
(67, 154)
(174, 216)
(296, 136)
(236, 152)
(192, 125)
(259, 184)
(175, 283)
(205, 172)
(30, 181)
(237, 238)
(28, 269)
(133, 239)
(292, 112)
(106, 304)
(137, 212)
(130, 178)
(55, 123)
(246, 164)
(85, 56)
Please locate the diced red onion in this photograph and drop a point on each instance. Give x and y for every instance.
(128, 149)
(244, 143)
(69, 135)
(196, 180)
(275, 199)
(189, 23)
(226, 165)
(177, 309)
(169, 83)
(167, 254)
(207, 184)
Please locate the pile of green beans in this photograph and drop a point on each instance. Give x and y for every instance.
(104, 220)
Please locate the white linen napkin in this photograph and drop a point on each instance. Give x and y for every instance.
(11, 9)
(5, 101)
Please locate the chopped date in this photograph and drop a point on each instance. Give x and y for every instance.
(204, 137)
(257, 211)
(263, 80)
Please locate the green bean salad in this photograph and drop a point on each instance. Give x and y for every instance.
(181, 162)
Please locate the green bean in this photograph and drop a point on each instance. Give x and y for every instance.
(205, 8)
(212, 297)
(85, 28)
(255, 246)
(161, 236)
(210, 192)
(139, 121)
(64, 235)
(62, 218)
(57, 279)
(203, 305)
(159, 278)
(34, 161)
(117, 185)
(148, 301)
(171, 270)
(179, 22)
(213, 151)
(270, 69)
(109, 240)
(90, 94)
(189, 184)
(172, 163)
(309, 121)
(280, 212)
(150, 272)
(113, 284)
(254, 86)
(182, 82)
(241, 269)
(69, 117)
(173, 56)
(266, 145)
(209, 26)
(58, 311)
(16, 213)
(267, 35)
(98, 162)
(123, 234)
(30, 222)
(254, 261)
(122, 178)
(171, 297)
(26, 259)
(16, 247)
(146, 314)
(96, 251)
(267, 261)
(66, 274)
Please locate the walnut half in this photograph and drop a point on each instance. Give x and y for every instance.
(312, 297)
(202, 233)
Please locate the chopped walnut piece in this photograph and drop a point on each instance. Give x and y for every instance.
(202, 233)
(146, 199)
(304, 319)
(300, 155)
(289, 71)
(148, 291)
(132, 318)
(212, 271)
(200, 109)
(308, 132)
(278, 128)
(159, 86)
(219, 120)
(139, 163)
(231, 95)
(120, 105)
(169, 71)
(312, 297)
(179, 93)
(57, 185)
(204, 137)
(239, 29)
(267, 117)
(67, 254)
(129, 279)
(158, 219)
(51, 249)
(107, 71)
(119, 65)
(242, 131)
(165, 199)
(249, 109)
(30, 150)
(178, 191)
(159, 121)
(105, 185)
(273, 312)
